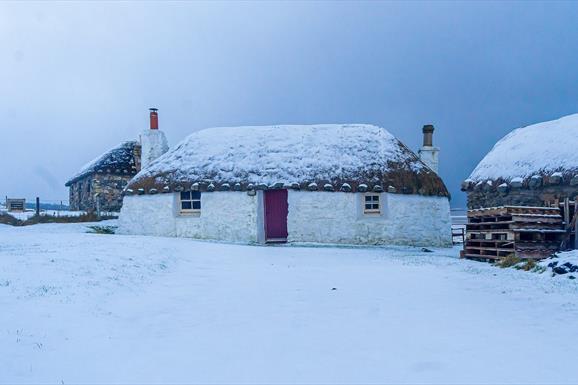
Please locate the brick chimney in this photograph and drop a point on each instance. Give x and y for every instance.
(154, 118)
(153, 141)
(428, 153)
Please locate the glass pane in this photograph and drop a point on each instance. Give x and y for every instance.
(196, 205)
(368, 198)
(368, 206)
(375, 206)
(376, 198)
(185, 195)
(186, 205)
(196, 195)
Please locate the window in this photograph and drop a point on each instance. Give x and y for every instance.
(371, 204)
(190, 201)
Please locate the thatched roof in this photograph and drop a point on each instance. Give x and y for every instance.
(118, 160)
(346, 157)
(543, 153)
(542, 148)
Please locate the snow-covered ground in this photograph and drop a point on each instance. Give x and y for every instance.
(79, 307)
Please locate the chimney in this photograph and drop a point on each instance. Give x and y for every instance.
(428, 130)
(153, 141)
(428, 153)
(154, 118)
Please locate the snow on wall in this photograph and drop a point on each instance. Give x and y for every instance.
(328, 217)
(543, 147)
(324, 217)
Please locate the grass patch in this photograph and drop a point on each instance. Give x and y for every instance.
(102, 229)
(528, 265)
(508, 261)
(89, 217)
(6, 219)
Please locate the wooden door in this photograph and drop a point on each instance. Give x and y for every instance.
(276, 210)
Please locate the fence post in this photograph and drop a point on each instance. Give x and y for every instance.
(575, 223)
(37, 206)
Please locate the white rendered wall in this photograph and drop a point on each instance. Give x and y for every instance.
(148, 215)
(153, 144)
(225, 215)
(323, 217)
(335, 217)
(430, 156)
(228, 216)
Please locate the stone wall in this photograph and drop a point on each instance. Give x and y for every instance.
(83, 192)
(80, 196)
(480, 197)
(536, 190)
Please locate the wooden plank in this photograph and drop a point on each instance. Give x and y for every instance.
(509, 250)
(478, 257)
(529, 232)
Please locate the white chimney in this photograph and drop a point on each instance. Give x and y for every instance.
(428, 153)
(153, 141)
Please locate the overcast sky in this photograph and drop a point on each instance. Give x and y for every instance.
(77, 78)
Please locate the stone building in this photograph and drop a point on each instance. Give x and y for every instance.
(100, 183)
(535, 165)
(349, 184)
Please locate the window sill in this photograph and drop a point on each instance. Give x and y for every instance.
(189, 214)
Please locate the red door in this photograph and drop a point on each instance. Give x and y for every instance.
(276, 209)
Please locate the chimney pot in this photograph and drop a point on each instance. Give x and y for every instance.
(428, 130)
(154, 118)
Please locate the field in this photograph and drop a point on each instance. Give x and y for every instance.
(94, 308)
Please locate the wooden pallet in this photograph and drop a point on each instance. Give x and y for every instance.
(526, 232)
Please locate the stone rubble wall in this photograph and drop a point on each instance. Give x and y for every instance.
(108, 187)
(479, 198)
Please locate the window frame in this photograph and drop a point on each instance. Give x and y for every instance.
(372, 211)
(191, 200)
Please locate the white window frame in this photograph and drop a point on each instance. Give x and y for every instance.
(191, 200)
(373, 202)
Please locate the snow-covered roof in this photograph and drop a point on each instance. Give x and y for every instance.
(540, 149)
(119, 159)
(327, 156)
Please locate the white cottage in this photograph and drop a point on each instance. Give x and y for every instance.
(334, 183)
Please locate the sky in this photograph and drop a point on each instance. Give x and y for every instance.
(77, 78)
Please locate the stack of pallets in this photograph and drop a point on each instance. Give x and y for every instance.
(526, 232)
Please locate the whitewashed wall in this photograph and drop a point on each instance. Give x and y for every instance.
(148, 215)
(154, 144)
(229, 216)
(335, 217)
(324, 217)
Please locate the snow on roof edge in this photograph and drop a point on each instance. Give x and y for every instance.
(541, 148)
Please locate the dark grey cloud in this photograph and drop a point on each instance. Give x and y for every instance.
(77, 78)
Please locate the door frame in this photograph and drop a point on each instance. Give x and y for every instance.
(266, 239)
